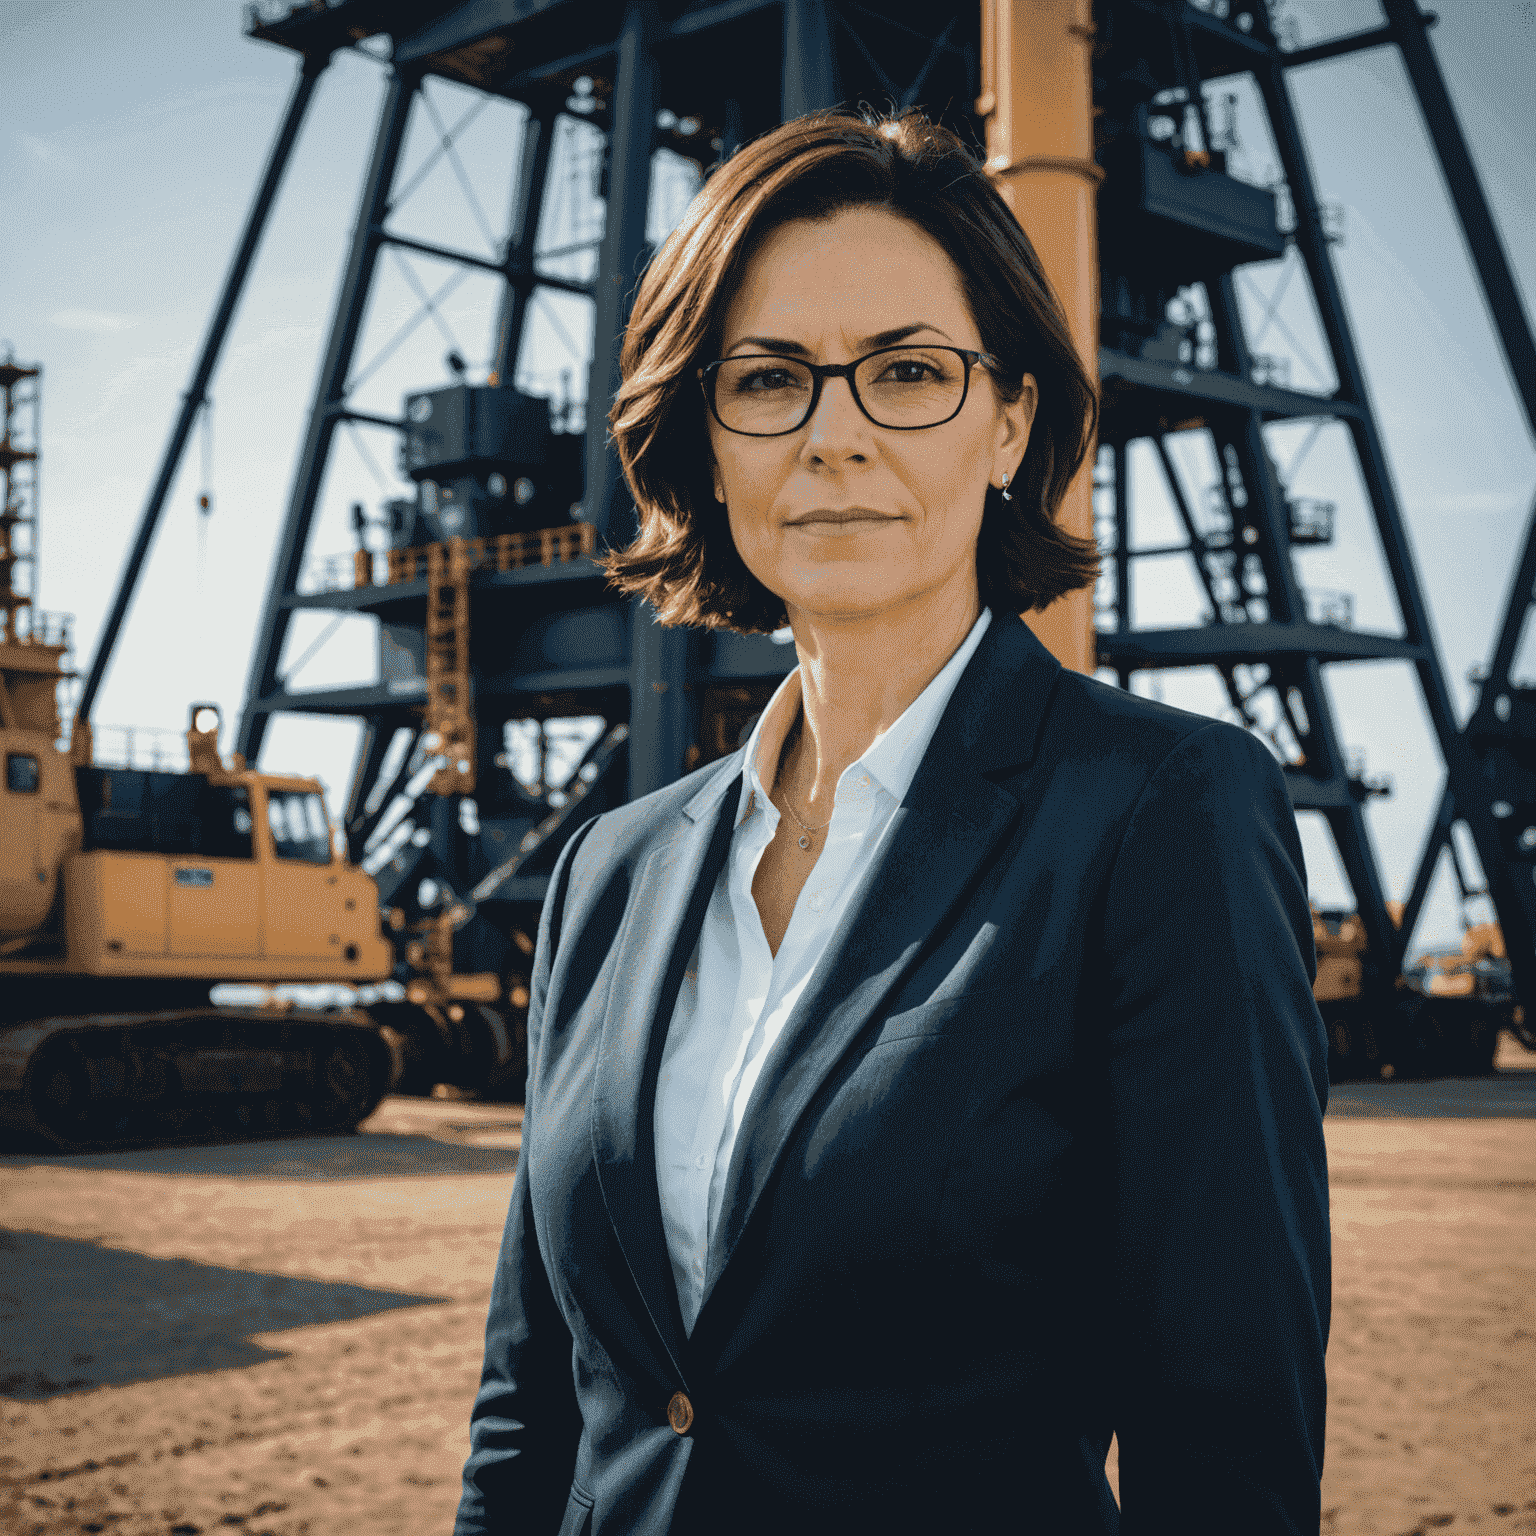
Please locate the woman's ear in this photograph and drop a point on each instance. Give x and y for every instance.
(1014, 423)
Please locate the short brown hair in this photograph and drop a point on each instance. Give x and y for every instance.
(684, 560)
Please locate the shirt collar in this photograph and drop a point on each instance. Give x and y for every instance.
(764, 747)
(891, 759)
(704, 803)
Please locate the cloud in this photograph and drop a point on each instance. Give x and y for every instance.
(1474, 503)
(80, 145)
(149, 371)
(221, 93)
(46, 151)
(100, 321)
(275, 339)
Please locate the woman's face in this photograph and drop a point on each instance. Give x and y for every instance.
(844, 519)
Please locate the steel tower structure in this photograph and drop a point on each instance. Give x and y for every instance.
(1176, 360)
(1499, 739)
(20, 408)
(489, 608)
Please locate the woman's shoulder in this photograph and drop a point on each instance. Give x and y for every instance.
(1126, 753)
(1026, 709)
(1095, 718)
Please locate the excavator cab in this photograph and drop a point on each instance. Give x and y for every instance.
(219, 871)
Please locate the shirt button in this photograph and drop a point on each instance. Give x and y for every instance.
(864, 783)
(680, 1413)
(698, 1162)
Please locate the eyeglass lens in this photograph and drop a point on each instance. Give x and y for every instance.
(902, 387)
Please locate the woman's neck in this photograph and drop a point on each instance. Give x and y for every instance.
(856, 680)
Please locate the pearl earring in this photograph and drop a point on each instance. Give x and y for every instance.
(1006, 496)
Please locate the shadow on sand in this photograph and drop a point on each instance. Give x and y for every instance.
(475, 1142)
(75, 1315)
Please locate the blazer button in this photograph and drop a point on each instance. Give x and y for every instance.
(680, 1413)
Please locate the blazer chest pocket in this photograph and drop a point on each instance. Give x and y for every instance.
(965, 1013)
(578, 1513)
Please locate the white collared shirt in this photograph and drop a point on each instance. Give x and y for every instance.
(737, 996)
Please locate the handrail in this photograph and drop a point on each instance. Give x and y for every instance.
(496, 552)
(33, 626)
(500, 552)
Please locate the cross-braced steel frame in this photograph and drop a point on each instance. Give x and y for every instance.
(667, 695)
(1258, 633)
(564, 646)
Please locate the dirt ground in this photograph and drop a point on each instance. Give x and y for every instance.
(284, 1337)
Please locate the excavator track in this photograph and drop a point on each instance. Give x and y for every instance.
(99, 1081)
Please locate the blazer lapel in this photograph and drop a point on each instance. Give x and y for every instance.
(667, 906)
(952, 819)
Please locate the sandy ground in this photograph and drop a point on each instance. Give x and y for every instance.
(284, 1337)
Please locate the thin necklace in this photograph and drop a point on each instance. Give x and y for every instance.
(805, 832)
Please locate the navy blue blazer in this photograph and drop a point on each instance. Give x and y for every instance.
(1038, 1158)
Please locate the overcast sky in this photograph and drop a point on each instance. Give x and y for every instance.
(132, 143)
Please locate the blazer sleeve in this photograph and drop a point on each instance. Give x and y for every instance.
(525, 1424)
(1217, 1062)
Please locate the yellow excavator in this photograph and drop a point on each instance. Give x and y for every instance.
(1452, 1003)
(126, 894)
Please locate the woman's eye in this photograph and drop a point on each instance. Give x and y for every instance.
(766, 378)
(909, 371)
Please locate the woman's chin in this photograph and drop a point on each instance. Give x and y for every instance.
(849, 595)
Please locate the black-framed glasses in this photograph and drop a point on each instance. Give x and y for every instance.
(903, 388)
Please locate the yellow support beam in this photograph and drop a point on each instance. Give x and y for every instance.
(1037, 99)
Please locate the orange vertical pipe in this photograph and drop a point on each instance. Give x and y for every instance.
(1037, 99)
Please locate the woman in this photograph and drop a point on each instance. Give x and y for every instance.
(933, 1087)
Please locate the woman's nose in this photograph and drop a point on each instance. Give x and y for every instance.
(837, 428)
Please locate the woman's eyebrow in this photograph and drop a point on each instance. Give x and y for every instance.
(795, 349)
